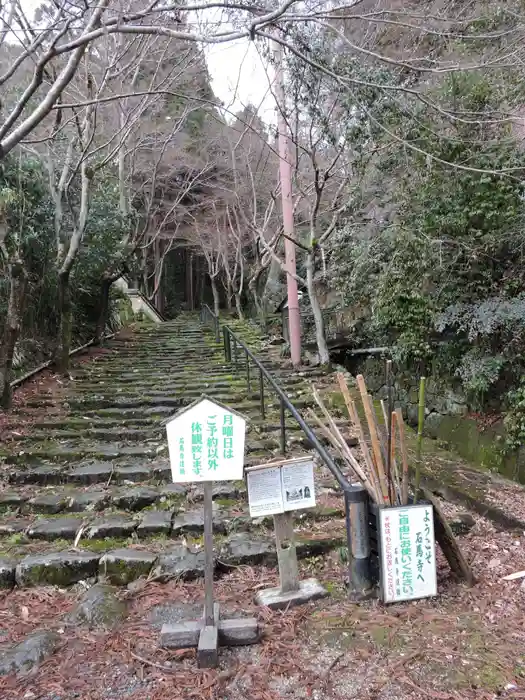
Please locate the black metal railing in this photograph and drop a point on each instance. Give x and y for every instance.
(241, 357)
(237, 353)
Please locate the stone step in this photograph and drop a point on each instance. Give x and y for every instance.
(165, 561)
(120, 471)
(138, 516)
(81, 450)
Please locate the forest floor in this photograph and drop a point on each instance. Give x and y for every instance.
(468, 643)
(465, 644)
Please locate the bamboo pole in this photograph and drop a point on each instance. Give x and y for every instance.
(346, 455)
(354, 417)
(420, 422)
(376, 446)
(404, 456)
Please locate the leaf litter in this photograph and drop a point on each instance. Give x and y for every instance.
(466, 644)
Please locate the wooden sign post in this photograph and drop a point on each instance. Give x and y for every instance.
(206, 444)
(277, 489)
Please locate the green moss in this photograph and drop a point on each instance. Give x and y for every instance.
(226, 502)
(106, 544)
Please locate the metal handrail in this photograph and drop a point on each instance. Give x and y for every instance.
(355, 496)
(231, 345)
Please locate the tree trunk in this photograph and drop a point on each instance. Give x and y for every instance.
(322, 347)
(238, 306)
(229, 294)
(17, 283)
(215, 293)
(64, 334)
(252, 288)
(105, 289)
(157, 280)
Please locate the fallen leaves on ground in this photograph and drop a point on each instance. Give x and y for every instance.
(467, 644)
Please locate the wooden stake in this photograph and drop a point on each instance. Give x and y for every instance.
(337, 441)
(404, 455)
(354, 417)
(393, 482)
(376, 445)
(393, 456)
(208, 554)
(446, 540)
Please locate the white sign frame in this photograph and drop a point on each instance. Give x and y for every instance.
(397, 584)
(206, 442)
(291, 480)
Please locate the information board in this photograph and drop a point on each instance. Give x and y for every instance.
(206, 443)
(408, 553)
(279, 487)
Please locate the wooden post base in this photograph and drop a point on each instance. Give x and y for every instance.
(207, 638)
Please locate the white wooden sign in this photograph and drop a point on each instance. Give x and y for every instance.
(408, 553)
(206, 443)
(279, 487)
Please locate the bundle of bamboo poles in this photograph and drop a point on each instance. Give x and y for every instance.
(384, 472)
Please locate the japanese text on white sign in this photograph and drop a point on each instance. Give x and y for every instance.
(206, 443)
(408, 556)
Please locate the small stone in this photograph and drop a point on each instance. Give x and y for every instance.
(7, 573)
(135, 498)
(91, 473)
(121, 566)
(98, 607)
(242, 548)
(57, 529)
(56, 569)
(180, 562)
(112, 526)
(193, 521)
(47, 503)
(462, 524)
(29, 652)
(156, 521)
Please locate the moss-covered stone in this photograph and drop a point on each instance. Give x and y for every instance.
(56, 569)
(99, 606)
(122, 566)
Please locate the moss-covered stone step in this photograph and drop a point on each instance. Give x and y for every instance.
(122, 565)
(119, 471)
(52, 500)
(83, 450)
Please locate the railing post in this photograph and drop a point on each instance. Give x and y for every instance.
(283, 429)
(248, 372)
(235, 352)
(217, 330)
(358, 540)
(261, 391)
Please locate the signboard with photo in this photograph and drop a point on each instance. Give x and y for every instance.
(279, 487)
(408, 553)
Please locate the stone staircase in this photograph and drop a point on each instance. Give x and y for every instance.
(86, 484)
